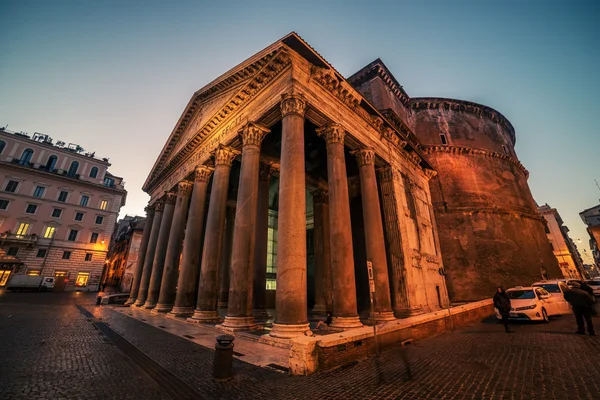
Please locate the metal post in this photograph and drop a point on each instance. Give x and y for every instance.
(223, 358)
(371, 297)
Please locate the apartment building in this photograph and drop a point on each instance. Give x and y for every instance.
(58, 207)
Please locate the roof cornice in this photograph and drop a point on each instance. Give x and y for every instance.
(378, 68)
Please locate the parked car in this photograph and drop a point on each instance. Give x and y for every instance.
(27, 282)
(595, 285)
(530, 304)
(556, 288)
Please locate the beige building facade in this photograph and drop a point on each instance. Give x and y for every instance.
(123, 253)
(562, 245)
(320, 182)
(58, 206)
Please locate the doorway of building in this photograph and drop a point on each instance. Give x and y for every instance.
(61, 281)
(4, 275)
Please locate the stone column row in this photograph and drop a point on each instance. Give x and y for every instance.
(139, 267)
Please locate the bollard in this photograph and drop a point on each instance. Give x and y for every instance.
(99, 300)
(223, 358)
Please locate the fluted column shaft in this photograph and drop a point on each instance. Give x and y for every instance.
(150, 252)
(161, 251)
(139, 267)
(292, 318)
(374, 238)
(323, 300)
(226, 258)
(185, 299)
(208, 286)
(241, 273)
(166, 298)
(259, 294)
(342, 255)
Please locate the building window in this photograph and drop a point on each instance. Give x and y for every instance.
(62, 196)
(23, 228)
(51, 163)
(56, 213)
(12, 251)
(99, 220)
(94, 237)
(88, 256)
(66, 255)
(79, 216)
(505, 149)
(84, 201)
(72, 235)
(26, 157)
(4, 204)
(2, 146)
(49, 232)
(34, 272)
(41, 253)
(73, 169)
(39, 191)
(31, 209)
(443, 139)
(109, 182)
(271, 284)
(103, 204)
(82, 279)
(94, 172)
(11, 186)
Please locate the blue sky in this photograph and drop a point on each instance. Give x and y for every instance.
(114, 76)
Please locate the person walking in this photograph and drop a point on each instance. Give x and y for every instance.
(588, 289)
(502, 303)
(582, 303)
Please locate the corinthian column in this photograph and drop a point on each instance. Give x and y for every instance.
(226, 257)
(150, 252)
(208, 286)
(139, 267)
(188, 274)
(161, 251)
(323, 301)
(241, 273)
(292, 319)
(340, 234)
(374, 234)
(259, 294)
(173, 256)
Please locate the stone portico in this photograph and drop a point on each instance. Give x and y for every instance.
(284, 137)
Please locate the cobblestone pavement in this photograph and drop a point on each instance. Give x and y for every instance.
(50, 350)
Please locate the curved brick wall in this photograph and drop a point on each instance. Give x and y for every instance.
(490, 231)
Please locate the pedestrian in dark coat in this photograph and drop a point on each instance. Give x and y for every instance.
(582, 303)
(588, 289)
(502, 303)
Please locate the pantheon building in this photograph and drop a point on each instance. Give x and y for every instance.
(282, 179)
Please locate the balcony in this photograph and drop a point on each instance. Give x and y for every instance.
(12, 239)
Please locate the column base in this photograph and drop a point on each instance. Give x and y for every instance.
(181, 312)
(149, 305)
(383, 316)
(287, 331)
(222, 304)
(139, 302)
(319, 309)
(237, 323)
(408, 312)
(204, 317)
(261, 314)
(130, 301)
(162, 308)
(345, 323)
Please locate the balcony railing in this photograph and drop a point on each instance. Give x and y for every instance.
(14, 239)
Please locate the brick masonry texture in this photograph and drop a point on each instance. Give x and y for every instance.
(539, 361)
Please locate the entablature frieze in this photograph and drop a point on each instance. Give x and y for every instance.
(473, 210)
(428, 149)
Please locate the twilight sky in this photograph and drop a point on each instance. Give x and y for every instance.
(115, 76)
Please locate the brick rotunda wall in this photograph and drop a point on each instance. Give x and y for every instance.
(490, 231)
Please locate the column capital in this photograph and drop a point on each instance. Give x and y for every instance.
(170, 197)
(159, 206)
(364, 156)
(202, 173)
(293, 103)
(332, 133)
(265, 171)
(184, 188)
(224, 155)
(253, 134)
(386, 174)
(149, 209)
(320, 196)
